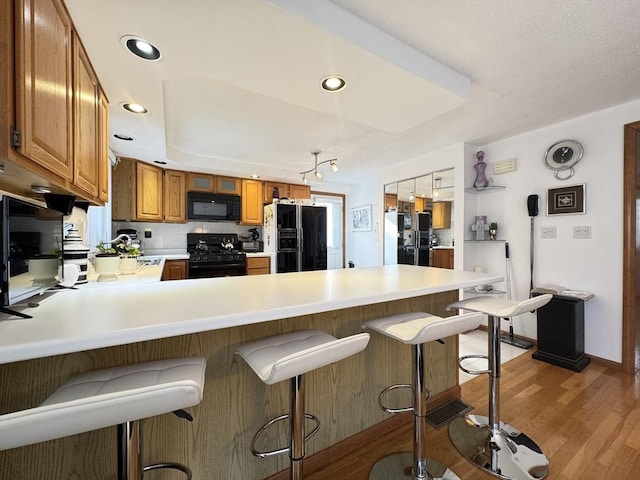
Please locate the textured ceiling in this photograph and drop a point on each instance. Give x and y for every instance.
(237, 88)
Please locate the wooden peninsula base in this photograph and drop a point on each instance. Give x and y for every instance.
(236, 403)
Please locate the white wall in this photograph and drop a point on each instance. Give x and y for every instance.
(362, 247)
(594, 264)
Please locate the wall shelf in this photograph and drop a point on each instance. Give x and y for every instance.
(494, 188)
(485, 241)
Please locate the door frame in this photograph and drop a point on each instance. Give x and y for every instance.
(631, 257)
(344, 200)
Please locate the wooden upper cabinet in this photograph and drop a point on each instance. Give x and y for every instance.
(44, 96)
(56, 107)
(268, 188)
(285, 190)
(252, 207)
(390, 201)
(174, 197)
(228, 185)
(299, 191)
(441, 215)
(200, 182)
(104, 164)
(205, 182)
(148, 192)
(86, 165)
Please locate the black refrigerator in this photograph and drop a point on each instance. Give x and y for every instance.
(421, 238)
(300, 236)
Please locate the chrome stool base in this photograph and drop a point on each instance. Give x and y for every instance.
(400, 466)
(507, 454)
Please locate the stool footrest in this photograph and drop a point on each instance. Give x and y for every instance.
(473, 372)
(389, 389)
(270, 453)
(174, 466)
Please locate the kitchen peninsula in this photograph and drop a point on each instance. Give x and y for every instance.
(74, 331)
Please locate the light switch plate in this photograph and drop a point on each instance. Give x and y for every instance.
(582, 231)
(548, 232)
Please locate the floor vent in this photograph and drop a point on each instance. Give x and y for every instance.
(442, 415)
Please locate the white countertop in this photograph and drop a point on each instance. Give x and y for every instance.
(127, 312)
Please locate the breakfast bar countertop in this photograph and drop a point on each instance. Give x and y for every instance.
(84, 319)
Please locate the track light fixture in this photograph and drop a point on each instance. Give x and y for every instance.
(333, 162)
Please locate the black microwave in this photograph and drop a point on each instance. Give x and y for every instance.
(213, 207)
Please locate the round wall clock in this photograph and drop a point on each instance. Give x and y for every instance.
(563, 155)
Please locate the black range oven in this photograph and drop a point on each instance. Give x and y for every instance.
(215, 255)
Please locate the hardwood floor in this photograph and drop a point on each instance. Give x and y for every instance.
(588, 424)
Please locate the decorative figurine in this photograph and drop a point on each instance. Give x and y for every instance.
(480, 227)
(481, 179)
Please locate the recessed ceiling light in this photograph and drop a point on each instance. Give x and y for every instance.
(140, 48)
(40, 189)
(160, 162)
(255, 176)
(126, 138)
(135, 108)
(333, 83)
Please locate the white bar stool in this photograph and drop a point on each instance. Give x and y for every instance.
(417, 328)
(113, 396)
(289, 356)
(493, 446)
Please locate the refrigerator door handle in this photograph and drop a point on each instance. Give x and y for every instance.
(300, 238)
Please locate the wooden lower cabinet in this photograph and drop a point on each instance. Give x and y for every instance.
(443, 258)
(258, 265)
(175, 270)
(235, 402)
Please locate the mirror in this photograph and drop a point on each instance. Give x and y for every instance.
(403, 200)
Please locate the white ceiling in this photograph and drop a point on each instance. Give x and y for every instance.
(237, 89)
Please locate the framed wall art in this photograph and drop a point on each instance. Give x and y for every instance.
(361, 218)
(567, 200)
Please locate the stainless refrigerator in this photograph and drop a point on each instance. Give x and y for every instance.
(297, 236)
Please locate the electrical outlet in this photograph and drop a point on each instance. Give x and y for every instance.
(581, 232)
(548, 232)
(147, 233)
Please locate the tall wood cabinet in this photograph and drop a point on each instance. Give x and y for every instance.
(174, 197)
(144, 192)
(51, 104)
(44, 115)
(86, 168)
(252, 207)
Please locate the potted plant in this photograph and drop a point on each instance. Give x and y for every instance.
(129, 252)
(107, 263)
